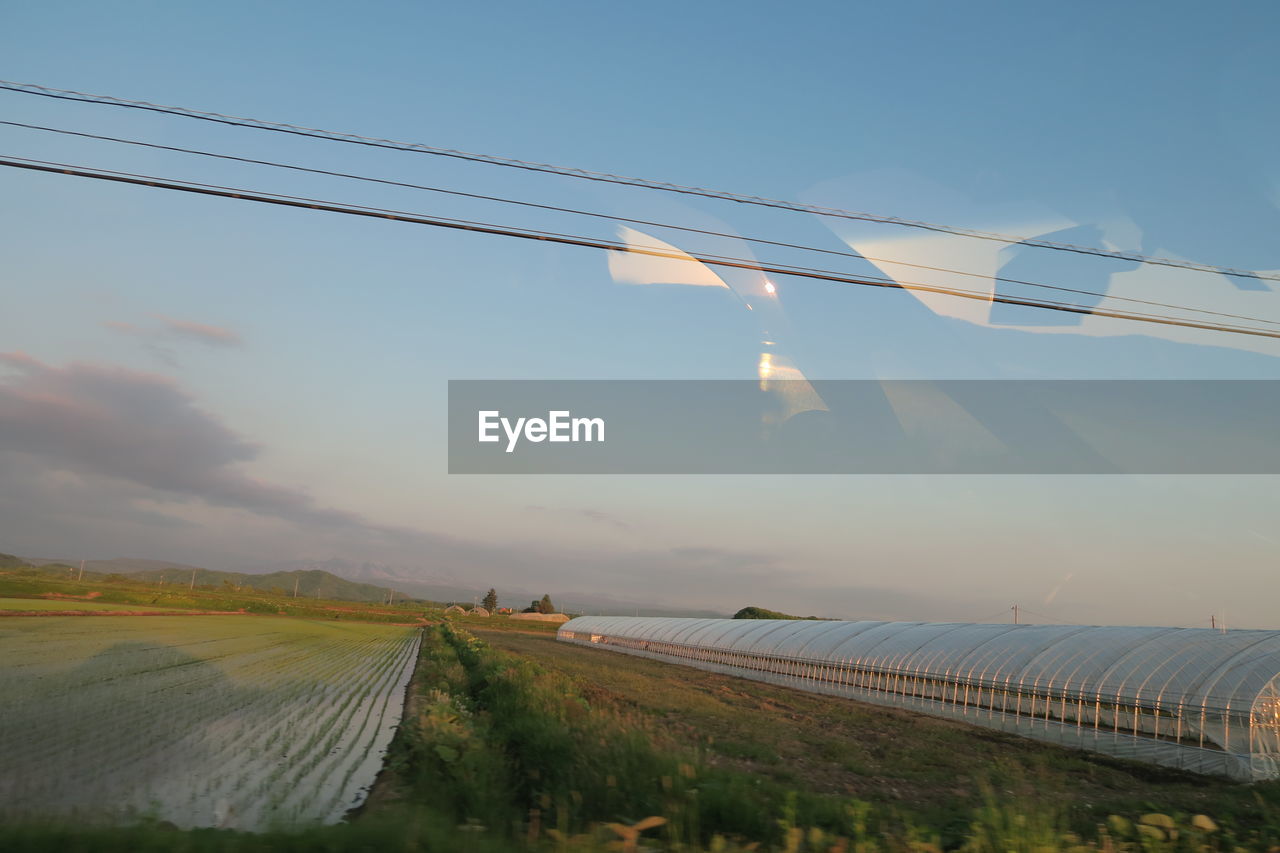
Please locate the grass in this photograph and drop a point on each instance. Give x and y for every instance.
(46, 605)
(926, 771)
(503, 623)
(17, 584)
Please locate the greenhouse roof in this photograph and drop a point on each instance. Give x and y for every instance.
(1170, 667)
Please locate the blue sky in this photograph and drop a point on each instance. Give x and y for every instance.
(317, 419)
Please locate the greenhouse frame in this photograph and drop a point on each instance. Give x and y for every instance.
(1195, 699)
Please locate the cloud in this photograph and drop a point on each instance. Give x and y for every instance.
(725, 559)
(102, 461)
(204, 333)
(114, 436)
(160, 339)
(142, 428)
(595, 515)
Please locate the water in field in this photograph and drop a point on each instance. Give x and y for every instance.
(243, 722)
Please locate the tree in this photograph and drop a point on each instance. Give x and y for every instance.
(491, 600)
(764, 613)
(545, 605)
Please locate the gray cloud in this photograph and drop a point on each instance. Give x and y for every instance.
(104, 461)
(595, 515)
(142, 428)
(159, 340)
(202, 332)
(724, 559)
(151, 341)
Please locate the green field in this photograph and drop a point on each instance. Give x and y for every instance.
(60, 604)
(503, 623)
(579, 749)
(127, 594)
(930, 771)
(234, 721)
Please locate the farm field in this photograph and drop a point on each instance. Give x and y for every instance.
(516, 742)
(502, 623)
(128, 594)
(56, 604)
(245, 722)
(934, 772)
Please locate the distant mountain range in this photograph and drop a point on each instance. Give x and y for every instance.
(307, 584)
(440, 588)
(345, 580)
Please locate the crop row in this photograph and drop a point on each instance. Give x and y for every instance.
(234, 721)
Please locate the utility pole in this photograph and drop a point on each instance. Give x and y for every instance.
(296, 580)
(1213, 621)
(81, 577)
(1015, 614)
(193, 578)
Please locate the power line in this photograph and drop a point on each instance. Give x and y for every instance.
(550, 237)
(605, 177)
(1048, 618)
(614, 218)
(547, 236)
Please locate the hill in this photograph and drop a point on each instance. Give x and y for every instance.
(420, 583)
(762, 613)
(308, 584)
(346, 580)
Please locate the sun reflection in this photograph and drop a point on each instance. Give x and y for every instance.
(788, 387)
(765, 367)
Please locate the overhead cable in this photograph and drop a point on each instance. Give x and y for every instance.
(633, 221)
(570, 240)
(646, 183)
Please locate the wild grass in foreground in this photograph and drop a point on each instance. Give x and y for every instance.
(499, 753)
